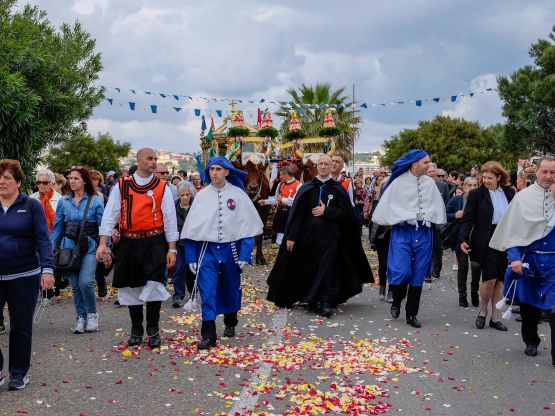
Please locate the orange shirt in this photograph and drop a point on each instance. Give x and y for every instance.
(345, 182)
(288, 190)
(141, 206)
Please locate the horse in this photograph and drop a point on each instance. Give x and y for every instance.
(258, 187)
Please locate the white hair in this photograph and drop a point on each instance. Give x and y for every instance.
(186, 184)
(48, 172)
(432, 165)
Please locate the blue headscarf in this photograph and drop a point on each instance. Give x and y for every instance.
(403, 164)
(235, 177)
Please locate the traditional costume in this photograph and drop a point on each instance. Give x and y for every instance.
(410, 204)
(219, 237)
(287, 192)
(145, 212)
(527, 232)
(327, 264)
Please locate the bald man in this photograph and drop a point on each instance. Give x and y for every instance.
(143, 208)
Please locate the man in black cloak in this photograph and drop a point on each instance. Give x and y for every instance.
(321, 260)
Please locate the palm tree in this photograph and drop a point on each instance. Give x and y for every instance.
(313, 119)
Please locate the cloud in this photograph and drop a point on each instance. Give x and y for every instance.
(391, 51)
(485, 108)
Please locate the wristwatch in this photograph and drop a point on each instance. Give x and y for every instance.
(173, 250)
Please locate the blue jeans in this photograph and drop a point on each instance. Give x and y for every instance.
(82, 285)
(21, 295)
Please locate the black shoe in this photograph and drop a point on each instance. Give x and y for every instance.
(497, 325)
(429, 279)
(154, 341)
(135, 340)
(313, 306)
(480, 322)
(229, 331)
(531, 350)
(102, 291)
(463, 302)
(518, 318)
(177, 302)
(395, 311)
(326, 310)
(475, 299)
(412, 321)
(382, 293)
(206, 344)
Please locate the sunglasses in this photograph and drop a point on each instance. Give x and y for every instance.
(42, 183)
(163, 173)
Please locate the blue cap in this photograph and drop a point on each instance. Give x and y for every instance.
(404, 163)
(235, 177)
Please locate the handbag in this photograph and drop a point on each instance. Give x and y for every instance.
(69, 259)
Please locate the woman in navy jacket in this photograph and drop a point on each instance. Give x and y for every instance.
(26, 264)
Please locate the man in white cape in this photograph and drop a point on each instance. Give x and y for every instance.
(219, 237)
(527, 232)
(410, 203)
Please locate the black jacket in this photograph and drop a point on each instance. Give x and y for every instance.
(476, 226)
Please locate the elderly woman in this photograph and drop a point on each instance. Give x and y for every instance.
(26, 264)
(183, 276)
(455, 211)
(46, 195)
(484, 208)
(70, 213)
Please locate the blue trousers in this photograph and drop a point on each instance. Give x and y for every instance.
(410, 254)
(21, 295)
(82, 285)
(219, 282)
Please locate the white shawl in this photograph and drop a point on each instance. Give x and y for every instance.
(529, 217)
(410, 197)
(221, 215)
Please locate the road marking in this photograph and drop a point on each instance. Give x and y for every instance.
(247, 400)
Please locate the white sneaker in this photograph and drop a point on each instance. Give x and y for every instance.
(92, 322)
(80, 325)
(2, 379)
(455, 267)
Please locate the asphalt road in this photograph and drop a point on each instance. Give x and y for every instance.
(289, 361)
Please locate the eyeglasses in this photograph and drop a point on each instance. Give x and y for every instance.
(163, 173)
(42, 183)
(441, 176)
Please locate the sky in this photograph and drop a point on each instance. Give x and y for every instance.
(391, 51)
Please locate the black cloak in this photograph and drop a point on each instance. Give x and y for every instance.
(327, 244)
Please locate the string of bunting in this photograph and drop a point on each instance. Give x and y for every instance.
(303, 108)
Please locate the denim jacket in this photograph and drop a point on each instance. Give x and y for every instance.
(67, 211)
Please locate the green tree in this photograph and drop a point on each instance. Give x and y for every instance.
(46, 82)
(454, 144)
(529, 100)
(313, 119)
(101, 153)
(189, 165)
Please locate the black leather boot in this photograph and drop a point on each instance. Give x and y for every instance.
(137, 331)
(152, 324)
(208, 334)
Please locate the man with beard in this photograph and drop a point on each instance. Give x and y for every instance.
(527, 232)
(322, 261)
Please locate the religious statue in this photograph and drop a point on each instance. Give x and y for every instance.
(328, 118)
(294, 123)
(238, 121)
(267, 122)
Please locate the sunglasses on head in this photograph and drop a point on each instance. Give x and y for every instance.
(77, 167)
(42, 183)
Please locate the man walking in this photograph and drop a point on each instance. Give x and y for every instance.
(527, 232)
(219, 237)
(410, 203)
(143, 207)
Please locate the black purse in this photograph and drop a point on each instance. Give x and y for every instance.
(69, 259)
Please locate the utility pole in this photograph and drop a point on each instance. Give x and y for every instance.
(354, 130)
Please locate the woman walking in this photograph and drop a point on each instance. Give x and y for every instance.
(70, 213)
(484, 208)
(26, 265)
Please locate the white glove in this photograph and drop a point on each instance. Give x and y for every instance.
(242, 264)
(193, 267)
